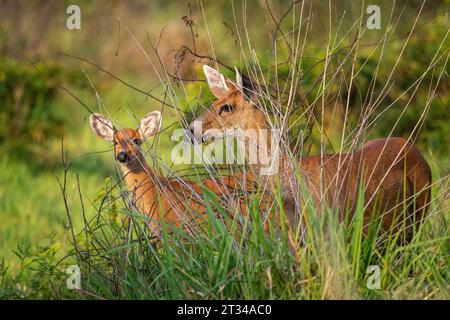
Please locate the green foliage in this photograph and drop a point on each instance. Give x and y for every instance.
(39, 275)
(29, 116)
(227, 260)
(423, 61)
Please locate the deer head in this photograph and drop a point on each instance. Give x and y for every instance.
(235, 108)
(236, 112)
(126, 141)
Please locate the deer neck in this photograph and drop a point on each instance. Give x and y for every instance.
(264, 153)
(274, 167)
(141, 183)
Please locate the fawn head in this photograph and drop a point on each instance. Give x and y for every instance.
(126, 141)
(235, 108)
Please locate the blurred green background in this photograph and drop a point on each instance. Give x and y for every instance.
(36, 113)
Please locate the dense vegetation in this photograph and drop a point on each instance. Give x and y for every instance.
(44, 102)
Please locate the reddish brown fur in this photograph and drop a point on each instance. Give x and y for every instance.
(383, 162)
(169, 200)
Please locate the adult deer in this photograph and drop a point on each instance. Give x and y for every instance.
(395, 176)
(177, 202)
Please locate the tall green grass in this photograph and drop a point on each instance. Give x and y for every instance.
(231, 258)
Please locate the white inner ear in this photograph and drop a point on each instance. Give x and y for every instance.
(101, 126)
(216, 81)
(150, 124)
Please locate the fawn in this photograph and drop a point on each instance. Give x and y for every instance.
(177, 202)
(395, 175)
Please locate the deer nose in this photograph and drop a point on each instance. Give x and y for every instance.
(122, 157)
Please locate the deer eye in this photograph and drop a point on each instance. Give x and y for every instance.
(136, 141)
(226, 108)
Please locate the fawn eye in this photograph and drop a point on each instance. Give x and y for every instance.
(226, 108)
(136, 141)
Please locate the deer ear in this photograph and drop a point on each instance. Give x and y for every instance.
(150, 124)
(102, 126)
(246, 86)
(216, 82)
(238, 79)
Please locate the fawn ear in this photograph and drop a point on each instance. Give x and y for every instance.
(102, 126)
(150, 124)
(216, 82)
